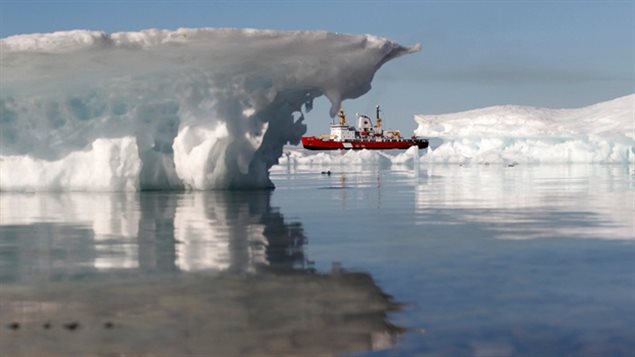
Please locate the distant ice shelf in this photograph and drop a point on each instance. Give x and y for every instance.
(600, 133)
(509, 135)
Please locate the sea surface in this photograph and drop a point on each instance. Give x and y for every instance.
(480, 260)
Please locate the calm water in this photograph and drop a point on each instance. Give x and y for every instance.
(430, 260)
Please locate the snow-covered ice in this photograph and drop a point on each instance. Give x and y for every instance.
(195, 108)
(600, 133)
(296, 156)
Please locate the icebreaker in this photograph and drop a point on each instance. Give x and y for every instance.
(159, 109)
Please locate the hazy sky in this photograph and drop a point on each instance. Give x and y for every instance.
(475, 53)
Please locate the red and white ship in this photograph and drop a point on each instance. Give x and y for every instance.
(365, 136)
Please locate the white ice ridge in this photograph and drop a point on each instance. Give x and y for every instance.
(294, 156)
(600, 133)
(195, 108)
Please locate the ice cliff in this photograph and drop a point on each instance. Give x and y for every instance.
(158, 109)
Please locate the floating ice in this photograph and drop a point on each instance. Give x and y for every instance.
(294, 156)
(109, 165)
(600, 133)
(196, 108)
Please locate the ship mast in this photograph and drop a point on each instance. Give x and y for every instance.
(378, 121)
(342, 117)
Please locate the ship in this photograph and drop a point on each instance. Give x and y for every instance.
(365, 136)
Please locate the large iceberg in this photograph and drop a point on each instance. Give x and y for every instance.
(155, 109)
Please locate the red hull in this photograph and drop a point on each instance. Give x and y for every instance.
(315, 143)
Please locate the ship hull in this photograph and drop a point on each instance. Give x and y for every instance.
(316, 143)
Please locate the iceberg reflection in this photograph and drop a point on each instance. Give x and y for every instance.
(529, 202)
(217, 273)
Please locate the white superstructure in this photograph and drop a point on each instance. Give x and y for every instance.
(365, 129)
(342, 132)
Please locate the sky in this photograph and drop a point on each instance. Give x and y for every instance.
(556, 54)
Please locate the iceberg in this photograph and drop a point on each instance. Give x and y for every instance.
(508, 134)
(160, 109)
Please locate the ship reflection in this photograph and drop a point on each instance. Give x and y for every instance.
(209, 273)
